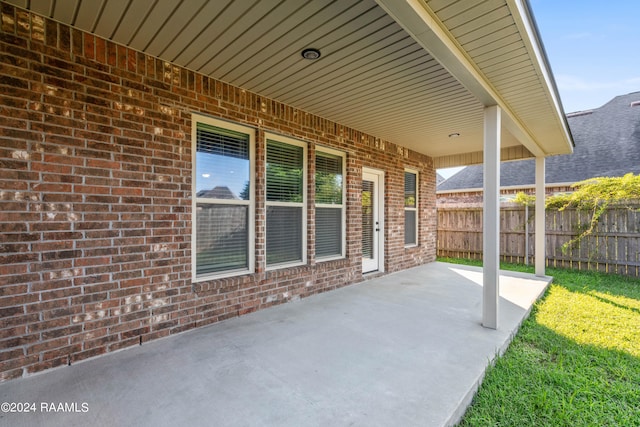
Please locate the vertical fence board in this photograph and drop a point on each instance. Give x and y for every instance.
(613, 246)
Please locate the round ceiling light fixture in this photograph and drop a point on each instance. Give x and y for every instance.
(310, 54)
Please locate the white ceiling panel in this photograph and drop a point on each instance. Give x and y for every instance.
(87, 15)
(307, 34)
(154, 22)
(110, 16)
(372, 76)
(261, 38)
(198, 22)
(42, 7)
(64, 11)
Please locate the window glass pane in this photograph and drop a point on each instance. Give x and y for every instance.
(284, 172)
(409, 189)
(221, 237)
(328, 178)
(328, 232)
(410, 227)
(222, 163)
(284, 234)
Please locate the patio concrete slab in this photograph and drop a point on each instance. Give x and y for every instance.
(404, 349)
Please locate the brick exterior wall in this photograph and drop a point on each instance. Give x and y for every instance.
(95, 163)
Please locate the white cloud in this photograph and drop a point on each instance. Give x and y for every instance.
(575, 83)
(579, 93)
(579, 36)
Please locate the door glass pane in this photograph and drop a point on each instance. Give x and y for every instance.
(367, 219)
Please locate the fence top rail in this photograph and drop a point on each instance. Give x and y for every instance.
(627, 205)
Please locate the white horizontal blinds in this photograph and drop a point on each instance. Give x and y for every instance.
(222, 200)
(224, 142)
(328, 232)
(285, 170)
(367, 219)
(328, 178)
(409, 227)
(410, 208)
(221, 238)
(329, 204)
(284, 234)
(285, 202)
(222, 161)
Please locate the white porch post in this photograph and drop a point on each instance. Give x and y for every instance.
(540, 238)
(491, 215)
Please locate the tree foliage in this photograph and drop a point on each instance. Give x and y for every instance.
(328, 187)
(602, 191)
(284, 183)
(595, 195)
(525, 199)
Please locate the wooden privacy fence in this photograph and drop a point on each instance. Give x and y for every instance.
(613, 247)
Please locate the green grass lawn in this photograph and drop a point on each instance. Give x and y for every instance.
(574, 362)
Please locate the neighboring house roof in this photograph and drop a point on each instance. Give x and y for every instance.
(219, 192)
(607, 144)
(439, 178)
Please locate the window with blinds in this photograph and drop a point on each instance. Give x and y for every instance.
(286, 195)
(223, 193)
(410, 208)
(329, 204)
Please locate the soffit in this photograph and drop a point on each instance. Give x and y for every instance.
(372, 76)
(501, 42)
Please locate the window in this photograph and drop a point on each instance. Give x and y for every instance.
(223, 207)
(330, 232)
(286, 198)
(410, 208)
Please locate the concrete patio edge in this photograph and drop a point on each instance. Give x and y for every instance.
(402, 349)
(467, 399)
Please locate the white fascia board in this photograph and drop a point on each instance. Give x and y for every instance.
(526, 25)
(423, 25)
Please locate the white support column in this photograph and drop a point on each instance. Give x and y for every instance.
(491, 215)
(540, 238)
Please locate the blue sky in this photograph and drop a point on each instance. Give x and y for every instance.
(593, 48)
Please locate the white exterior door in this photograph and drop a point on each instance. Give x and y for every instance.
(372, 221)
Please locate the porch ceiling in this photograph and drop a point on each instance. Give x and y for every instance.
(409, 71)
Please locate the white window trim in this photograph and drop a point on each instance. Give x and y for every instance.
(303, 205)
(416, 210)
(195, 119)
(343, 243)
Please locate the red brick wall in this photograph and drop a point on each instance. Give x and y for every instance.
(95, 163)
(474, 198)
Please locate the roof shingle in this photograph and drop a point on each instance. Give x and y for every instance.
(607, 144)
